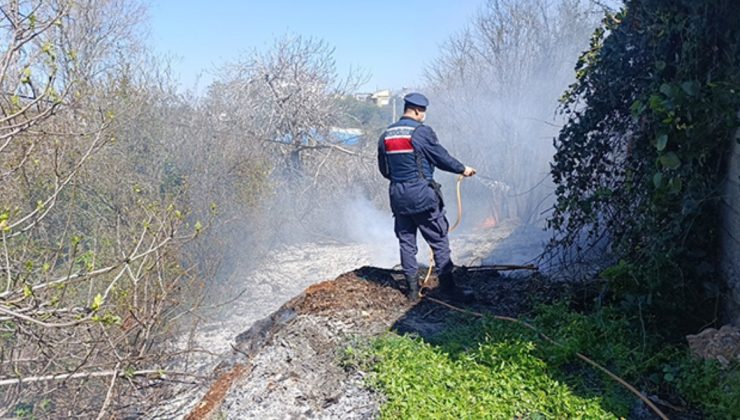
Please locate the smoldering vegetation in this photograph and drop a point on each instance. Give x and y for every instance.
(129, 210)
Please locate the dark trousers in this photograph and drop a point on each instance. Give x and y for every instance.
(433, 226)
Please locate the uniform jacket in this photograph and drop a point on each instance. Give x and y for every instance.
(408, 152)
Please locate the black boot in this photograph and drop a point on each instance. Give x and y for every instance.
(413, 288)
(448, 289)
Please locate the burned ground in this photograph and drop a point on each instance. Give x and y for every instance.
(288, 364)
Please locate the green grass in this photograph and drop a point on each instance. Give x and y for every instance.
(484, 368)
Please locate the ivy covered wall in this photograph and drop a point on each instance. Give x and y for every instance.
(643, 158)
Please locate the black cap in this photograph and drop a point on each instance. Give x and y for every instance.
(416, 99)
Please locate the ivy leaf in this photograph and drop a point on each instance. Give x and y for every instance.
(670, 160)
(666, 89)
(637, 108)
(656, 103)
(675, 185)
(691, 87)
(658, 180)
(661, 142)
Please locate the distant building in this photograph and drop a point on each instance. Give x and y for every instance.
(363, 96)
(382, 97)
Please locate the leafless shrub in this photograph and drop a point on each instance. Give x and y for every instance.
(281, 105)
(90, 256)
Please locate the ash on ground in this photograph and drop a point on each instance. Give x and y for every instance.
(287, 364)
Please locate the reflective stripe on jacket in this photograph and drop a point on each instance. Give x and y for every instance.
(408, 152)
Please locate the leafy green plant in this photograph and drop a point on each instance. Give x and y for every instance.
(707, 384)
(504, 370)
(487, 368)
(23, 411)
(496, 380)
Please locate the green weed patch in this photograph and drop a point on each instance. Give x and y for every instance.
(485, 368)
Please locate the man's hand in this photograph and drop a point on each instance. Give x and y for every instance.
(469, 171)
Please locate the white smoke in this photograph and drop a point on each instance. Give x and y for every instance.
(365, 223)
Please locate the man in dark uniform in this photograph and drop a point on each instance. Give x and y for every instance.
(408, 152)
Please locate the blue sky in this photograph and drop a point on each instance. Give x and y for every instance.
(392, 40)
